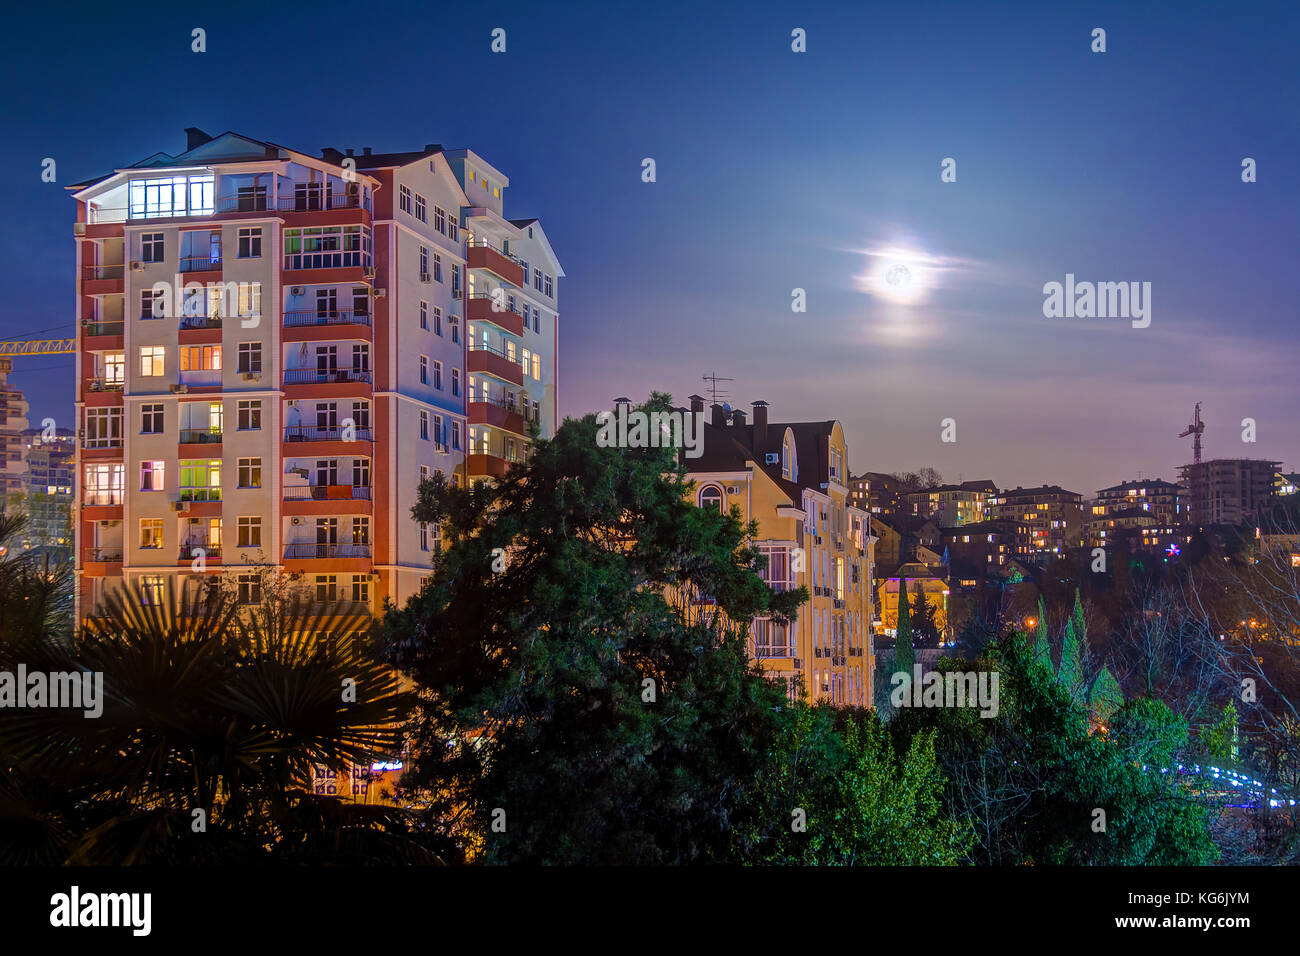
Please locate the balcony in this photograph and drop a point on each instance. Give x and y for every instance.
(195, 549)
(200, 436)
(496, 412)
(480, 309)
(301, 433)
(298, 318)
(257, 200)
(484, 360)
(200, 494)
(331, 376)
(198, 322)
(200, 264)
(90, 328)
(106, 554)
(315, 550)
(489, 466)
(327, 493)
(481, 254)
(101, 273)
(103, 385)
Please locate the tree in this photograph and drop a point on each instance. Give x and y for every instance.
(904, 652)
(211, 727)
(588, 699)
(924, 623)
(1042, 645)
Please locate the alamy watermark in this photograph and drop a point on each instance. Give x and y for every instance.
(638, 429)
(946, 689)
(1098, 300)
(74, 690)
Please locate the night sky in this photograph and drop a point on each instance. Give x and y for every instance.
(775, 170)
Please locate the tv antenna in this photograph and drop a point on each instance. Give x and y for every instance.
(717, 394)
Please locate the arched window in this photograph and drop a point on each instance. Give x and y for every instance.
(789, 463)
(711, 497)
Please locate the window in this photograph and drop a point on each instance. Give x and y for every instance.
(151, 247)
(152, 360)
(437, 375)
(525, 265)
(525, 359)
(421, 208)
(248, 532)
(151, 590)
(537, 366)
(455, 280)
(250, 243)
(360, 588)
(404, 198)
(103, 428)
(327, 587)
(200, 358)
(250, 299)
(151, 533)
(250, 473)
(200, 479)
(151, 304)
(550, 288)
(172, 196)
(105, 484)
(361, 472)
(151, 419)
(424, 315)
(711, 497)
(437, 321)
(250, 415)
(453, 233)
(455, 381)
(424, 261)
(455, 436)
(440, 219)
(437, 430)
(437, 267)
(250, 358)
(250, 589)
(424, 370)
(327, 247)
(151, 475)
(424, 536)
(361, 414)
(455, 328)
(424, 425)
(424, 473)
(114, 367)
(361, 530)
(537, 279)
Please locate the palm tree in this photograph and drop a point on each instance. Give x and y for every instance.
(214, 718)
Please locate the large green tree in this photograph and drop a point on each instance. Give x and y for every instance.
(580, 651)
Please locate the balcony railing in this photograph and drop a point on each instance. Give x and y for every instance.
(104, 553)
(103, 385)
(96, 498)
(93, 327)
(201, 322)
(190, 550)
(102, 443)
(301, 317)
(200, 494)
(200, 376)
(314, 376)
(314, 550)
(310, 433)
(103, 271)
(201, 264)
(327, 493)
(316, 201)
(200, 436)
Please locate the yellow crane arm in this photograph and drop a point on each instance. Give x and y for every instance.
(39, 347)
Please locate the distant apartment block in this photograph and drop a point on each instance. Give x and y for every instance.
(951, 506)
(13, 422)
(275, 348)
(1052, 517)
(875, 493)
(1229, 490)
(47, 488)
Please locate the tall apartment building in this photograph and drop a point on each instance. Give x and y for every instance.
(791, 478)
(1052, 516)
(1163, 499)
(275, 348)
(47, 488)
(1228, 490)
(13, 422)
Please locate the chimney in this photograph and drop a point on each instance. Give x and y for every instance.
(697, 404)
(760, 426)
(350, 151)
(738, 418)
(195, 137)
(431, 147)
(717, 415)
(365, 150)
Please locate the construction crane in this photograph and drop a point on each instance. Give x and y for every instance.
(39, 347)
(1195, 428)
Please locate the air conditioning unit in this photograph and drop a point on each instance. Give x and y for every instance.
(297, 290)
(193, 520)
(137, 265)
(180, 389)
(251, 376)
(78, 228)
(297, 521)
(85, 322)
(773, 458)
(180, 506)
(369, 272)
(733, 489)
(380, 293)
(425, 277)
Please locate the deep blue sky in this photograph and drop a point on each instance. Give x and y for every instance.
(776, 170)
